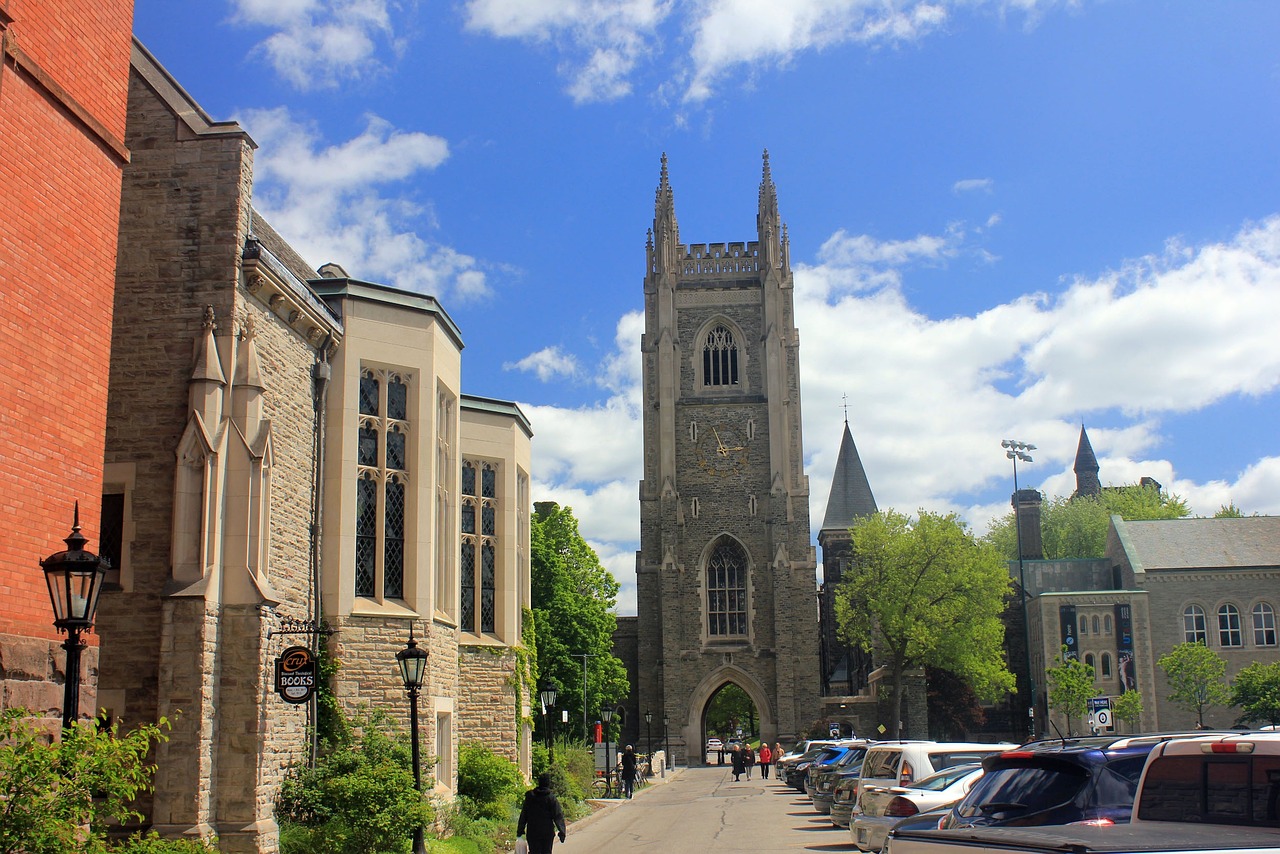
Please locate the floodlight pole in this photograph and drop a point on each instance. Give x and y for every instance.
(1015, 451)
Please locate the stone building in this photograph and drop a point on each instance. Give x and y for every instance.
(1160, 583)
(289, 450)
(63, 93)
(726, 570)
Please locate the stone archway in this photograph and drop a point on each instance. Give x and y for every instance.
(705, 691)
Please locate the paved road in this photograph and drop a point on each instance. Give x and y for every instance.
(702, 811)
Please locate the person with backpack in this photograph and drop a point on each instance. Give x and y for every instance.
(541, 816)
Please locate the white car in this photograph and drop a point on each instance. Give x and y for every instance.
(714, 745)
(884, 806)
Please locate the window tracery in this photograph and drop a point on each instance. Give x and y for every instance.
(382, 472)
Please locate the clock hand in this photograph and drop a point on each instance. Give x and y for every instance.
(720, 448)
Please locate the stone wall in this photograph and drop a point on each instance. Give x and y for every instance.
(489, 710)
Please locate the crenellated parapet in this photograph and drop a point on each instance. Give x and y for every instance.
(716, 261)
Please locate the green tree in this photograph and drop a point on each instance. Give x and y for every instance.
(573, 597)
(1197, 677)
(1077, 527)
(1127, 709)
(1070, 688)
(60, 796)
(926, 593)
(1256, 690)
(1229, 511)
(731, 709)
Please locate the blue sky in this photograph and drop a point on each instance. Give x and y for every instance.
(1006, 218)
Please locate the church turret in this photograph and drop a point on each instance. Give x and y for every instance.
(665, 235)
(771, 234)
(1086, 467)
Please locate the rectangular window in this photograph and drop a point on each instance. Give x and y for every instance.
(479, 591)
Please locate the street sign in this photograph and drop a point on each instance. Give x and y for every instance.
(1100, 713)
(834, 729)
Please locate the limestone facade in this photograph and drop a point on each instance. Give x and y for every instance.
(726, 571)
(288, 449)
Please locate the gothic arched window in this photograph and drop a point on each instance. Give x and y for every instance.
(479, 547)
(727, 590)
(382, 463)
(1229, 626)
(720, 358)
(1264, 625)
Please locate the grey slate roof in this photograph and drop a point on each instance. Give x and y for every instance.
(1253, 541)
(850, 496)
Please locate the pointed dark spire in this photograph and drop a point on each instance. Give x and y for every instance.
(1086, 467)
(850, 496)
(768, 194)
(665, 235)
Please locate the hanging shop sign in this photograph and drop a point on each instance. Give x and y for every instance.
(296, 675)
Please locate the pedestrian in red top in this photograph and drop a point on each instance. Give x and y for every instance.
(765, 756)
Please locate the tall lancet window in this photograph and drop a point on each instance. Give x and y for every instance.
(727, 590)
(479, 547)
(720, 358)
(382, 464)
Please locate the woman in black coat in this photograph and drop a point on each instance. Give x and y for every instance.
(540, 817)
(739, 762)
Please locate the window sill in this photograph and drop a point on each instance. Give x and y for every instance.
(373, 608)
(472, 639)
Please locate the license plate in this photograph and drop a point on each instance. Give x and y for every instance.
(863, 835)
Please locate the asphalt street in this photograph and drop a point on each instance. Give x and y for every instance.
(703, 811)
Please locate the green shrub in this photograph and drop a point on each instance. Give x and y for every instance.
(358, 799)
(484, 777)
(60, 796)
(153, 843)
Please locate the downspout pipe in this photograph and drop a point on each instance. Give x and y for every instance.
(321, 373)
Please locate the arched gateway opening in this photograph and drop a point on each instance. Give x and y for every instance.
(730, 706)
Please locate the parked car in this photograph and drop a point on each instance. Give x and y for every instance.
(1063, 781)
(714, 745)
(902, 763)
(793, 755)
(844, 799)
(822, 780)
(880, 808)
(798, 771)
(1217, 779)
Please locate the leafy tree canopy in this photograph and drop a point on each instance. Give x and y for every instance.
(573, 597)
(1077, 527)
(1256, 691)
(926, 593)
(1070, 688)
(1127, 708)
(1197, 677)
(731, 710)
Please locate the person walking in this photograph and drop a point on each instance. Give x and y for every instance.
(766, 758)
(739, 762)
(628, 771)
(541, 816)
(749, 756)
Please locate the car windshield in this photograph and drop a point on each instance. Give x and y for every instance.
(943, 779)
(1017, 789)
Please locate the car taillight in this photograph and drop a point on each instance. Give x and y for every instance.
(907, 774)
(1094, 822)
(1016, 754)
(900, 807)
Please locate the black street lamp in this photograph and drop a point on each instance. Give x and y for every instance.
(666, 744)
(548, 702)
(74, 578)
(648, 734)
(606, 715)
(1015, 451)
(413, 667)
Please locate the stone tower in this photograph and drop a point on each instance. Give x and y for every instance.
(726, 570)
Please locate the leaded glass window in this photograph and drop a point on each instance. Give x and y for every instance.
(382, 488)
(727, 590)
(720, 358)
(479, 594)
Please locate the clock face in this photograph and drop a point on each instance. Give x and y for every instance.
(722, 450)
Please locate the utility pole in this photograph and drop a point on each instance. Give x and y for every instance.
(586, 732)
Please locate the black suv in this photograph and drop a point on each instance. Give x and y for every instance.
(1056, 782)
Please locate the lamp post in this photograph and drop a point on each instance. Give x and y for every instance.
(648, 734)
(74, 578)
(548, 702)
(413, 667)
(666, 744)
(606, 715)
(1015, 451)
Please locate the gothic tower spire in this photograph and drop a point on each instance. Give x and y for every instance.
(666, 231)
(1086, 467)
(768, 229)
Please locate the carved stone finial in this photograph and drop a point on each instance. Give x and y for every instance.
(248, 327)
(209, 322)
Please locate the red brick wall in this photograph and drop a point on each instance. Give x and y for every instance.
(60, 202)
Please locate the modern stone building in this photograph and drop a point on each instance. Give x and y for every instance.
(63, 93)
(726, 569)
(288, 450)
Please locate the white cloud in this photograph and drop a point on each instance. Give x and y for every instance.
(319, 43)
(930, 400)
(604, 40)
(326, 200)
(973, 185)
(546, 364)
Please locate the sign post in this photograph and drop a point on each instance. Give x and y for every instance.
(1100, 714)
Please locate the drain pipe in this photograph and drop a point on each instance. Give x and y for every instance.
(321, 373)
